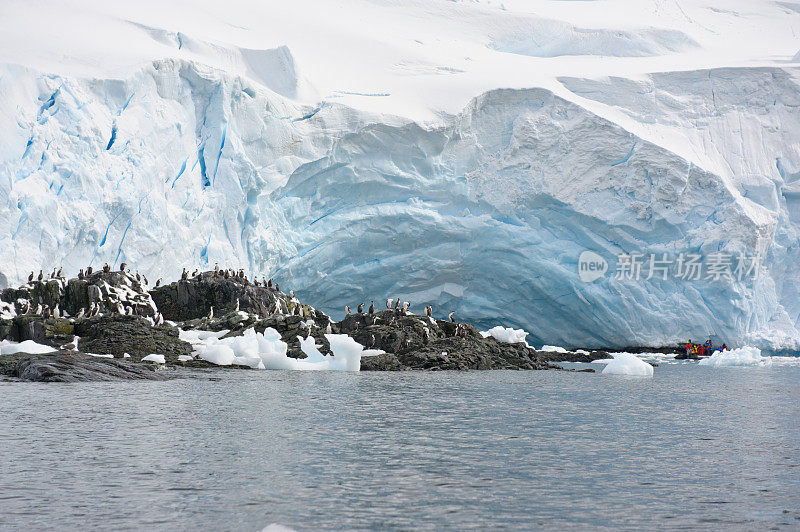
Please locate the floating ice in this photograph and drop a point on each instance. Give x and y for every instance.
(508, 335)
(7, 347)
(267, 351)
(159, 359)
(553, 348)
(743, 356)
(628, 364)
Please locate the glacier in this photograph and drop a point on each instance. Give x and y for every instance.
(471, 184)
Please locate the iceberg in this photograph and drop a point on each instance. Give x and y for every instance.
(267, 351)
(506, 334)
(628, 364)
(743, 356)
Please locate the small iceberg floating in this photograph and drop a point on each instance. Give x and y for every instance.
(267, 351)
(743, 356)
(628, 364)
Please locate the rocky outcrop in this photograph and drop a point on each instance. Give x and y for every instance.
(76, 367)
(419, 342)
(114, 314)
(117, 335)
(192, 298)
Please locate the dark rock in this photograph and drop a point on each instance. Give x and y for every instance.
(62, 367)
(134, 335)
(192, 298)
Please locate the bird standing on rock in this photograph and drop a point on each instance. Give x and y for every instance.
(123, 267)
(371, 309)
(361, 308)
(30, 277)
(389, 303)
(158, 283)
(89, 271)
(41, 276)
(71, 346)
(452, 319)
(236, 308)
(347, 309)
(428, 311)
(59, 272)
(269, 283)
(211, 314)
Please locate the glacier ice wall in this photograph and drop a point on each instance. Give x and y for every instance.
(486, 214)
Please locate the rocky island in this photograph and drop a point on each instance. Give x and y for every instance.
(109, 324)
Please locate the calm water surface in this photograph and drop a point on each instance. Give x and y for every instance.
(693, 447)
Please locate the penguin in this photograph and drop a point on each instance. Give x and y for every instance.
(269, 283)
(226, 274)
(347, 310)
(428, 311)
(397, 304)
(159, 318)
(30, 277)
(216, 269)
(389, 303)
(277, 288)
(158, 283)
(194, 273)
(89, 271)
(138, 277)
(371, 341)
(371, 309)
(38, 311)
(80, 313)
(361, 308)
(236, 308)
(120, 309)
(211, 314)
(452, 319)
(291, 294)
(146, 282)
(46, 312)
(426, 336)
(81, 274)
(41, 276)
(53, 275)
(184, 275)
(106, 268)
(56, 312)
(59, 272)
(123, 267)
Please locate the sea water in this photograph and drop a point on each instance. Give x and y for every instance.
(692, 446)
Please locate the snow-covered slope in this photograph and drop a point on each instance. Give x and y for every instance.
(460, 154)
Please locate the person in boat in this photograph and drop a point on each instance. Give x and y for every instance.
(689, 347)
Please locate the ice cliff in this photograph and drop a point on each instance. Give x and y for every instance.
(199, 151)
